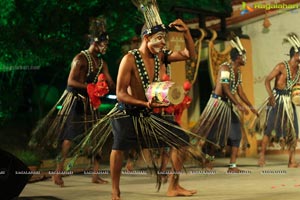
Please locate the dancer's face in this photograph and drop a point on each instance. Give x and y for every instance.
(157, 42)
(298, 56)
(244, 59)
(101, 46)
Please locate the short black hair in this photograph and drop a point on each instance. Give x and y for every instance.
(234, 54)
(292, 51)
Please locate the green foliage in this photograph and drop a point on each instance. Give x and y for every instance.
(38, 35)
(6, 6)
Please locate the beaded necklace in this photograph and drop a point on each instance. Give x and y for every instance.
(142, 70)
(289, 82)
(233, 84)
(88, 56)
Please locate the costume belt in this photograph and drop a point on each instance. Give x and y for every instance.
(133, 110)
(77, 92)
(282, 92)
(213, 95)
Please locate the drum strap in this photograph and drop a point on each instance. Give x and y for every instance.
(142, 70)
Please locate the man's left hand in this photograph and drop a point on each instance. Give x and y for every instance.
(179, 25)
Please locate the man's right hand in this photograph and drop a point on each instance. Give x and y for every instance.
(242, 109)
(272, 101)
(156, 104)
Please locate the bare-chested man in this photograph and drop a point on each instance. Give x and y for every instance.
(282, 117)
(138, 69)
(85, 68)
(219, 122)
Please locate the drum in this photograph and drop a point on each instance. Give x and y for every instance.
(296, 94)
(165, 92)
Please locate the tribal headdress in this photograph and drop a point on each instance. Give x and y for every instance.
(237, 48)
(153, 21)
(98, 29)
(236, 43)
(293, 39)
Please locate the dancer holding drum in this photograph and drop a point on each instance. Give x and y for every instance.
(137, 126)
(132, 121)
(281, 115)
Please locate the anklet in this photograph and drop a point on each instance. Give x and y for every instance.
(232, 165)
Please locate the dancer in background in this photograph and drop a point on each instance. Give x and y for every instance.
(281, 115)
(219, 122)
(88, 80)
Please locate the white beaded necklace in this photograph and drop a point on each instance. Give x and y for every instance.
(142, 70)
(289, 81)
(233, 84)
(90, 65)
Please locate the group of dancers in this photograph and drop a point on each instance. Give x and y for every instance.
(132, 124)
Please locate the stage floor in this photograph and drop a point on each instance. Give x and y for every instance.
(273, 182)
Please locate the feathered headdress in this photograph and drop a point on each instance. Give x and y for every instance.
(293, 39)
(236, 43)
(153, 21)
(98, 29)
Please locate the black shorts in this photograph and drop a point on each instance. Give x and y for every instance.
(127, 136)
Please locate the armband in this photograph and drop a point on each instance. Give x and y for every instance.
(225, 77)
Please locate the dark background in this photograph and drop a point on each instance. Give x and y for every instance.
(38, 40)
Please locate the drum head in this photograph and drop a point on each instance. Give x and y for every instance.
(176, 94)
(166, 92)
(296, 100)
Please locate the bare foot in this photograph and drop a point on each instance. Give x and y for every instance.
(180, 191)
(294, 165)
(192, 191)
(99, 180)
(207, 164)
(261, 162)
(115, 196)
(57, 179)
(234, 170)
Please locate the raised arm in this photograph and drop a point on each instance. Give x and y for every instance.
(189, 51)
